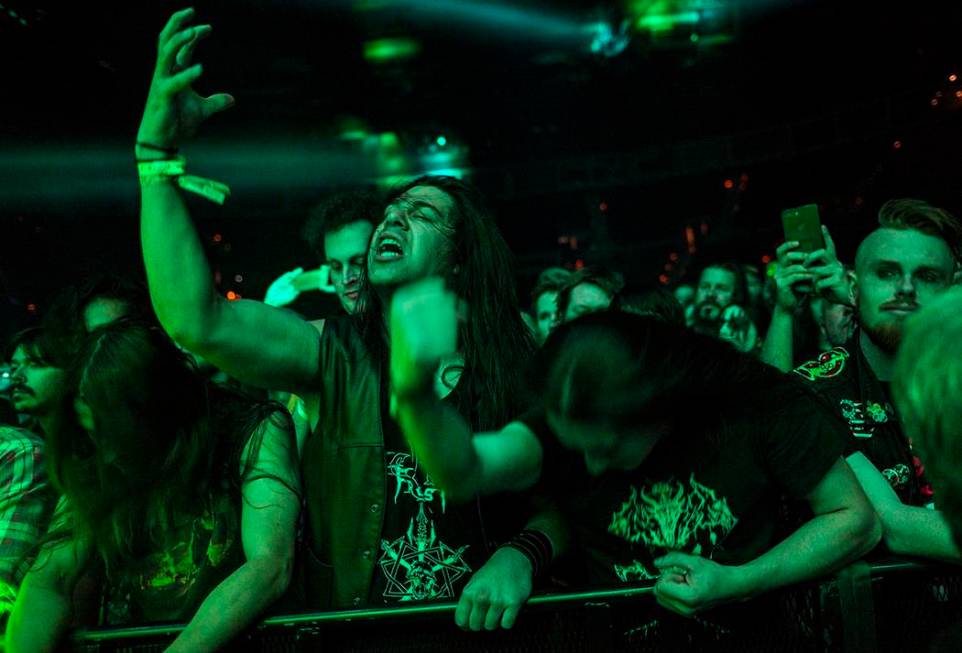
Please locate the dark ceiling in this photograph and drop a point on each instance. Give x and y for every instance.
(804, 98)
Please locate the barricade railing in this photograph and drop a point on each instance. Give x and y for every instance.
(891, 605)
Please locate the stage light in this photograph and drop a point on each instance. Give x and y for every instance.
(729, 184)
(441, 140)
(390, 49)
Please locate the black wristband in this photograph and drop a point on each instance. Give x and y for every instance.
(535, 546)
(157, 148)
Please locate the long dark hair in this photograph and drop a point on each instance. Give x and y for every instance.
(621, 369)
(495, 342)
(164, 443)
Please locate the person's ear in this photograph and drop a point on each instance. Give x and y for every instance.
(85, 416)
(852, 288)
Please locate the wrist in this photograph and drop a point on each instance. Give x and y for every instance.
(520, 563)
(534, 546)
(746, 581)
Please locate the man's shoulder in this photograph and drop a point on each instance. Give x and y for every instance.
(828, 368)
(14, 438)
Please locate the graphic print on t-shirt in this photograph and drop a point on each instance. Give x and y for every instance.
(670, 516)
(417, 565)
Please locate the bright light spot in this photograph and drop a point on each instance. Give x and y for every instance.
(953, 77)
(232, 296)
(239, 278)
(729, 184)
(442, 140)
(664, 279)
(934, 102)
(390, 49)
(766, 259)
(579, 264)
(31, 308)
(217, 238)
(897, 145)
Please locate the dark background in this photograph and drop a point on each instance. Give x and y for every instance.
(737, 111)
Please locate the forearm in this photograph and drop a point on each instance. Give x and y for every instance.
(918, 531)
(441, 439)
(906, 530)
(778, 345)
(40, 616)
(550, 522)
(233, 606)
(181, 287)
(819, 547)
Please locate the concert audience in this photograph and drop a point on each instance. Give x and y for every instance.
(901, 267)
(375, 522)
(186, 495)
(654, 437)
(26, 498)
(666, 451)
(718, 308)
(588, 290)
(338, 231)
(544, 300)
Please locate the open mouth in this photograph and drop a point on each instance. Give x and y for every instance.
(352, 295)
(388, 249)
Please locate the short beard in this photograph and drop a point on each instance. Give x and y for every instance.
(886, 337)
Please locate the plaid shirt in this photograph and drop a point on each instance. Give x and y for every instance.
(26, 503)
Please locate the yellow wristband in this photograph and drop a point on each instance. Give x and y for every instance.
(163, 169)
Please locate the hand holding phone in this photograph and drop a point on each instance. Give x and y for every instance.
(802, 225)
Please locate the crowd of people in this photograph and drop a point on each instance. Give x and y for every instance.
(172, 455)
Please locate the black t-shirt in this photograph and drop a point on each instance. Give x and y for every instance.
(710, 487)
(429, 548)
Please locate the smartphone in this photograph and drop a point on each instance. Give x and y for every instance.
(802, 224)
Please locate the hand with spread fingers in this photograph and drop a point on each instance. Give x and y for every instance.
(496, 593)
(174, 110)
(690, 584)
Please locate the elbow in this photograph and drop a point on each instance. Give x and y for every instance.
(867, 531)
(269, 577)
(279, 578)
(191, 329)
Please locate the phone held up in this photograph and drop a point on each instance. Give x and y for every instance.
(802, 224)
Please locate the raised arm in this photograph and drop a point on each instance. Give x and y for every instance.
(268, 523)
(777, 349)
(423, 331)
(251, 341)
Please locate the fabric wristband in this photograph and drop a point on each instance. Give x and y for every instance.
(152, 171)
(535, 546)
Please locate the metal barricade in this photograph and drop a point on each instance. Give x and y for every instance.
(894, 605)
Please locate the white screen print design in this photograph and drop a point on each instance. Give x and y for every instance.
(671, 516)
(418, 566)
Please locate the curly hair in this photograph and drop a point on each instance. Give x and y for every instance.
(340, 210)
